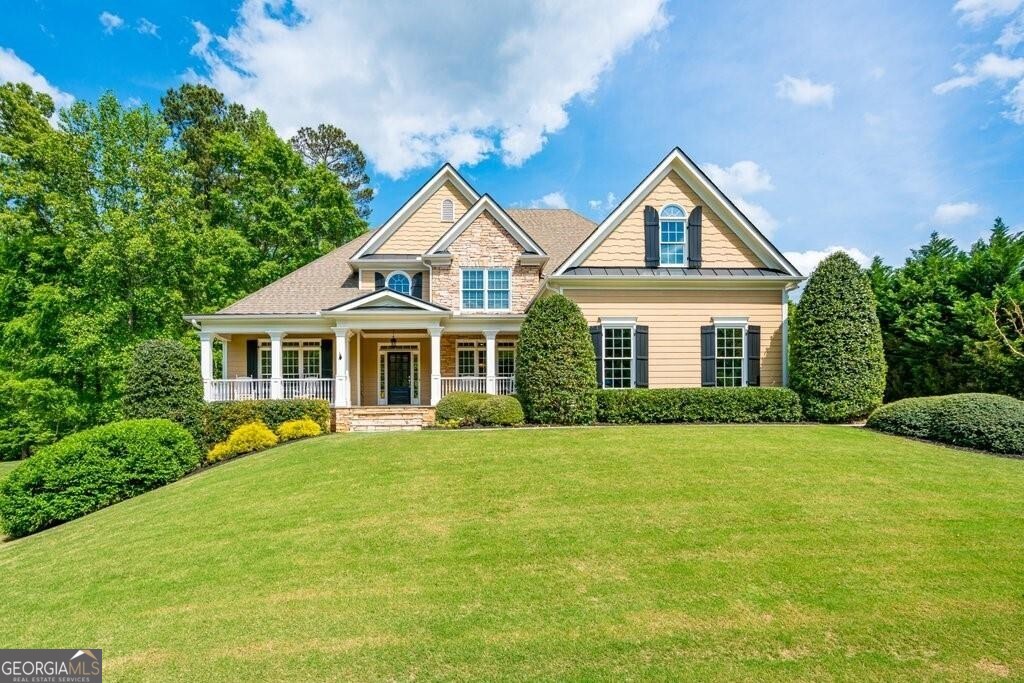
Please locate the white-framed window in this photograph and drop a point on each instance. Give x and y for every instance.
(619, 356)
(505, 359)
(400, 282)
(299, 360)
(486, 289)
(447, 211)
(673, 236)
(471, 358)
(730, 353)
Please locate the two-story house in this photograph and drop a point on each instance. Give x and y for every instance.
(679, 287)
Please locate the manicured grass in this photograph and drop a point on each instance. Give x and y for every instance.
(614, 553)
(6, 467)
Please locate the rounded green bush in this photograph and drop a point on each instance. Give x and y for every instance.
(93, 469)
(837, 358)
(163, 380)
(987, 422)
(498, 411)
(457, 406)
(556, 378)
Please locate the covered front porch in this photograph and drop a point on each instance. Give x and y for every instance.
(367, 356)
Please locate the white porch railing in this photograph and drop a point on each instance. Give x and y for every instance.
(308, 388)
(505, 385)
(244, 389)
(478, 385)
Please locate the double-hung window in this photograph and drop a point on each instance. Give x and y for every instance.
(471, 359)
(729, 356)
(673, 236)
(299, 360)
(618, 357)
(485, 289)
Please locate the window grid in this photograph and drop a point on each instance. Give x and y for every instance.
(472, 359)
(299, 360)
(506, 362)
(400, 282)
(486, 289)
(729, 356)
(673, 236)
(618, 357)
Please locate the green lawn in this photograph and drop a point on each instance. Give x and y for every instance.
(6, 467)
(612, 553)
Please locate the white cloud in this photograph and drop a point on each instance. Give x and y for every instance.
(111, 22)
(743, 177)
(14, 70)
(740, 179)
(1012, 34)
(807, 261)
(147, 27)
(805, 92)
(992, 67)
(606, 204)
(949, 213)
(977, 12)
(417, 84)
(552, 200)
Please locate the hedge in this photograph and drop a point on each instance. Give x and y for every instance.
(163, 380)
(986, 422)
(838, 362)
(556, 373)
(467, 408)
(220, 419)
(93, 469)
(698, 404)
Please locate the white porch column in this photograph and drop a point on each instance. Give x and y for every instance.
(341, 389)
(492, 363)
(224, 359)
(206, 363)
(276, 365)
(435, 365)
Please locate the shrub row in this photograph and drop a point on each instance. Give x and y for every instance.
(702, 404)
(220, 419)
(987, 422)
(465, 408)
(93, 469)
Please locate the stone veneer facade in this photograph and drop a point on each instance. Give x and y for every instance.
(484, 244)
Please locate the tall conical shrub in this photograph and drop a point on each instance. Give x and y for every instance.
(556, 375)
(838, 363)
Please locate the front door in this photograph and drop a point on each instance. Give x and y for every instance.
(399, 386)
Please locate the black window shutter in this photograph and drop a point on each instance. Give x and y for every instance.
(693, 238)
(640, 340)
(326, 358)
(652, 237)
(753, 355)
(595, 337)
(252, 358)
(378, 281)
(417, 285)
(707, 355)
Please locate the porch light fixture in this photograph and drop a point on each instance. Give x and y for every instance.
(394, 340)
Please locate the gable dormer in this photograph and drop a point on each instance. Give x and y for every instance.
(424, 218)
(485, 263)
(679, 207)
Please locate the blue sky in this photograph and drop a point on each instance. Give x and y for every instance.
(863, 125)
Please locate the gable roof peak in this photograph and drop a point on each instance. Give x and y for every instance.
(487, 203)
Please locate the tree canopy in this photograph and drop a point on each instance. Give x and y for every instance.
(120, 220)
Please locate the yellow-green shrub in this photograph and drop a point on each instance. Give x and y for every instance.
(254, 436)
(298, 429)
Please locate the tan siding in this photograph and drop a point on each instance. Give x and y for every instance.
(485, 244)
(236, 356)
(675, 318)
(720, 247)
(424, 227)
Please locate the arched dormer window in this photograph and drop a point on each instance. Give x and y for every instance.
(673, 236)
(447, 211)
(400, 282)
